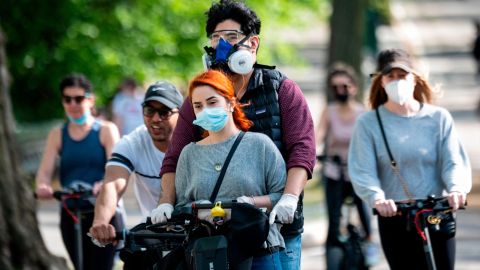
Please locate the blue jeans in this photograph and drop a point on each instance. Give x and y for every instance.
(267, 262)
(292, 254)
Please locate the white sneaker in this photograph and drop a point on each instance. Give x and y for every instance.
(372, 254)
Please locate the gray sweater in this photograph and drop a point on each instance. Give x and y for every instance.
(425, 146)
(256, 168)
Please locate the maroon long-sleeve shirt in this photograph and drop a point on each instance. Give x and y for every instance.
(297, 130)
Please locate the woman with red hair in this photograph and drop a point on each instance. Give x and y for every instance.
(256, 174)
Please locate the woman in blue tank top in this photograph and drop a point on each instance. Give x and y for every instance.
(83, 145)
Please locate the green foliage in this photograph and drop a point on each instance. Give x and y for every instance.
(107, 40)
(382, 8)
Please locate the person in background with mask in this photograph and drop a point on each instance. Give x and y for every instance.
(83, 144)
(258, 181)
(428, 153)
(334, 132)
(276, 106)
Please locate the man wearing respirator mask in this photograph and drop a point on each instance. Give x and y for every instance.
(276, 106)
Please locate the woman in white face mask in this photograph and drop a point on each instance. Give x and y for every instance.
(430, 160)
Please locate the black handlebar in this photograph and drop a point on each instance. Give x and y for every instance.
(334, 158)
(73, 194)
(125, 234)
(435, 204)
(225, 205)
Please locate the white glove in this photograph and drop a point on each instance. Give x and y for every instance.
(161, 213)
(284, 209)
(246, 199)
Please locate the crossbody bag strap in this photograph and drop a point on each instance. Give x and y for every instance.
(224, 167)
(393, 163)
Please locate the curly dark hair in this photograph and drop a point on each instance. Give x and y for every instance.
(233, 10)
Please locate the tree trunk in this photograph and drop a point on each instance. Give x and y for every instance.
(347, 25)
(21, 244)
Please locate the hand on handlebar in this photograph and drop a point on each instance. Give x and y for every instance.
(162, 213)
(456, 199)
(386, 208)
(102, 234)
(44, 192)
(284, 210)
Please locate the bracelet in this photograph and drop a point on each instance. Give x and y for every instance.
(253, 200)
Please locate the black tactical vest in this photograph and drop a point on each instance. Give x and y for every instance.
(263, 109)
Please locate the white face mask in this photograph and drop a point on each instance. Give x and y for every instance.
(401, 91)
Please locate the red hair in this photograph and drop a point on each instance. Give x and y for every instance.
(224, 87)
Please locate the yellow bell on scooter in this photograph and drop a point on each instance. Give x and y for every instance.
(217, 211)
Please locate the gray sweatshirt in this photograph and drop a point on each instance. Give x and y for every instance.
(425, 146)
(256, 168)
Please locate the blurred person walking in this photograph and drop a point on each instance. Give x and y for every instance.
(334, 133)
(127, 106)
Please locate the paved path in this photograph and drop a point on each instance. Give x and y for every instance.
(439, 33)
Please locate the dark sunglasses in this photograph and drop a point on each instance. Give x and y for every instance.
(337, 87)
(164, 114)
(77, 99)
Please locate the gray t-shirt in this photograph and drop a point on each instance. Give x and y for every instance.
(425, 146)
(256, 168)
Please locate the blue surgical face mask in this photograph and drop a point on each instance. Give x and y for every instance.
(81, 120)
(212, 119)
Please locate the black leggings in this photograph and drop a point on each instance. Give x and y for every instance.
(404, 249)
(336, 191)
(94, 257)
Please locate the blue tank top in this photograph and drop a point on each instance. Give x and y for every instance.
(82, 160)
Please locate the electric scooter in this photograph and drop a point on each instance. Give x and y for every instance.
(76, 200)
(427, 214)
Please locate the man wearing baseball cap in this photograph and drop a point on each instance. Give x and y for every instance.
(137, 156)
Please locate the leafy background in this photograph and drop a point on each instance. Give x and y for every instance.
(108, 40)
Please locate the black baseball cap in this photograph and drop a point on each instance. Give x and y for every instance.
(165, 93)
(393, 58)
